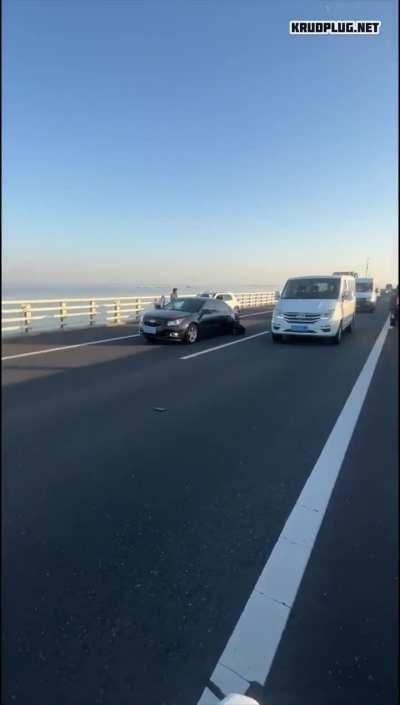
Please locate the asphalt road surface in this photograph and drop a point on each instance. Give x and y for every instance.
(143, 494)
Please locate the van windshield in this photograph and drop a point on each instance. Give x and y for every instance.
(364, 286)
(312, 288)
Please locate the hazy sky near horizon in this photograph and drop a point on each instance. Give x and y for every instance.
(193, 142)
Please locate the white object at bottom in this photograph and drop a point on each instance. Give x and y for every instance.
(234, 699)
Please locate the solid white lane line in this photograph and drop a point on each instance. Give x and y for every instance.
(225, 345)
(69, 347)
(250, 651)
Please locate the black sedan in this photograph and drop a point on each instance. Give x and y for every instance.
(188, 318)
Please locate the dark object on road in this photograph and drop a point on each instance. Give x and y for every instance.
(159, 408)
(394, 306)
(188, 318)
(239, 329)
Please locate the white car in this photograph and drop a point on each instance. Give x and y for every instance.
(228, 297)
(315, 306)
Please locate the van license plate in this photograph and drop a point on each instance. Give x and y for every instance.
(298, 328)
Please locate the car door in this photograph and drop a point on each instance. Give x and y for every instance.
(225, 320)
(208, 321)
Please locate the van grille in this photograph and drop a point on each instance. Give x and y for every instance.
(301, 317)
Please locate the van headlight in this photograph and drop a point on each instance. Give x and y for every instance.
(328, 314)
(278, 313)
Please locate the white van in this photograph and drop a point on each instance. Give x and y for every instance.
(316, 306)
(366, 294)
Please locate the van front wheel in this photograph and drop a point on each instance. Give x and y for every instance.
(337, 339)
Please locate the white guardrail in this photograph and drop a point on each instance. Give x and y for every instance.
(37, 315)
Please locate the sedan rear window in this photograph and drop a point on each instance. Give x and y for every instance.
(223, 307)
(191, 305)
(312, 288)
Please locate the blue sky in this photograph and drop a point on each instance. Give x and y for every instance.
(185, 141)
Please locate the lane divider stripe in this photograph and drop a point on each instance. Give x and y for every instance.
(251, 649)
(69, 347)
(91, 342)
(225, 345)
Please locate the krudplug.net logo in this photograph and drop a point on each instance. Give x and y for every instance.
(332, 27)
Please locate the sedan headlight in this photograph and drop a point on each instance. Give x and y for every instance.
(176, 322)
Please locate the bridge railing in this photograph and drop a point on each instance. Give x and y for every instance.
(25, 316)
(254, 299)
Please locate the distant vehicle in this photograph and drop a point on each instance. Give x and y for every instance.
(315, 306)
(187, 318)
(229, 298)
(389, 287)
(345, 274)
(365, 294)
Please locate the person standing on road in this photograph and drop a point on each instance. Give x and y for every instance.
(174, 294)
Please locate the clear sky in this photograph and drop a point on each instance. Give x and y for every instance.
(156, 141)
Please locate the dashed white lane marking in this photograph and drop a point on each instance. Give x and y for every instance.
(69, 347)
(225, 345)
(250, 651)
(91, 342)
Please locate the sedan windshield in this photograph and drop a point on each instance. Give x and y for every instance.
(190, 305)
(313, 288)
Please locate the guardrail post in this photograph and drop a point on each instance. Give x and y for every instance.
(138, 310)
(26, 309)
(92, 312)
(117, 312)
(63, 313)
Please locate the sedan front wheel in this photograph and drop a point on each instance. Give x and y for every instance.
(192, 334)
